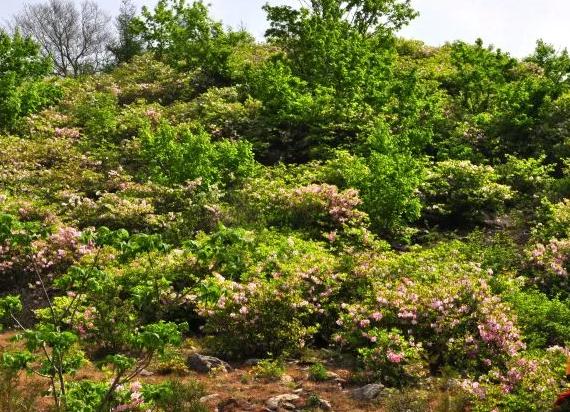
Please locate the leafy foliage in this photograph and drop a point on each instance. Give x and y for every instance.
(403, 206)
(21, 69)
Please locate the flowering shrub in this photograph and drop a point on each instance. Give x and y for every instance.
(531, 178)
(222, 112)
(148, 79)
(548, 264)
(393, 358)
(31, 248)
(555, 221)
(115, 211)
(530, 383)
(455, 319)
(254, 319)
(326, 206)
(286, 294)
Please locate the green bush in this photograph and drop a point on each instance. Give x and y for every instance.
(531, 178)
(97, 114)
(387, 183)
(269, 369)
(22, 90)
(174, 396)
(544, 321)
(318, 372)
(463, 191)
(176, 154)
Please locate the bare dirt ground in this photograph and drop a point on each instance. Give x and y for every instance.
(236, 390)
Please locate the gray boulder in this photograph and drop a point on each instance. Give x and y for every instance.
(205, 364)
(368, 392)
(275, 402)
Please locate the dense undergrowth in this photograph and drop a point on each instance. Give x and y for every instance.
(335, 187)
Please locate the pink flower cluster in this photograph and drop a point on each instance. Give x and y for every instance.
(498, 330)
(453, 318)
(550, 263)
(394, 357)
(341, 207)
(153, 115)
(63, 247)
(136, 399)
(67, 132)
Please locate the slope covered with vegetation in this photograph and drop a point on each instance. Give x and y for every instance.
(336, 190)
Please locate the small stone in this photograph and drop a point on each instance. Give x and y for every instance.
(332, 375)
(368, 392)
(325, 405)
(205, 364)
(234, 405)
(289, 406)
(287, 379)
(276, 401)
(144, 372)
(298, 391)
(251, 362)
(208, 398)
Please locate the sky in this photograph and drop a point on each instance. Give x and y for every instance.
(512, 25)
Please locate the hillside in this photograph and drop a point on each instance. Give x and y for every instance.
(332, 208)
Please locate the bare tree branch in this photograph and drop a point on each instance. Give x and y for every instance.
(76, 39)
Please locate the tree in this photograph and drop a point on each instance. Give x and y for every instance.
(346, 45)
(76, 39)
(336, 74)
(128, 43)
(21, 69)
(185, 37)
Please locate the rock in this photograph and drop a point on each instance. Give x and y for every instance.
(287, 379)
(144, 372)
(275, 402)
(208, 398)
(288, 406)
(204, 364)
(309, 361)
(368, 392)
(298, 391)
(251, 362)
(234, 405)
(332, 375)
(325, 405)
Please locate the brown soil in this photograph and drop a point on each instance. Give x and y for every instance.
(236, 390)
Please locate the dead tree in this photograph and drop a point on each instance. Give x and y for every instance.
(76, 38)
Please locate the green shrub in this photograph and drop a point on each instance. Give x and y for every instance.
(318, 372)
(175, 396)
(544, 321)
(270, 369)
(22, 91)
(97, 114)
(387, 184)
(179, 154)
(460, 190)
